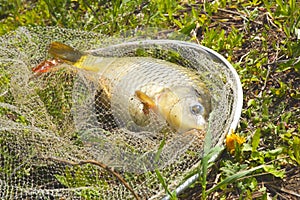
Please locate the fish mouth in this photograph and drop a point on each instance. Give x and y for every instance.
(199, 128)
(201, 123)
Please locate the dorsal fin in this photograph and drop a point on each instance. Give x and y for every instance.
(65, 52)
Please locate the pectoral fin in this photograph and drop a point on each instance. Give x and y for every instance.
(104, 88)
(147, 102)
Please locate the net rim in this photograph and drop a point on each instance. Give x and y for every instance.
(214, 55)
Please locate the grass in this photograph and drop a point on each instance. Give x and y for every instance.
(260, 38)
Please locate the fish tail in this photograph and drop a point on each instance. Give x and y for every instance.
(65, 52)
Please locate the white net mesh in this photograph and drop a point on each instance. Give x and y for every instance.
(62, 137)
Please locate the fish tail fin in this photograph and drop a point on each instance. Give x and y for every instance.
(65, 52)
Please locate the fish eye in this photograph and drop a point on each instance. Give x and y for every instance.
(196, 109)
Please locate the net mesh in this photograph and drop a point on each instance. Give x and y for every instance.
(61, 139)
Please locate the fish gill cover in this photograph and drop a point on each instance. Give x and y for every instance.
(68, 134)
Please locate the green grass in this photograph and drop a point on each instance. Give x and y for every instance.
(260, 38)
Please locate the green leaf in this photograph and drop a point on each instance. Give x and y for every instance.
(296, 148)
(160, 148)
(247, 147)
(209, 153)
(165, 186)
(188, 29)
(252, 102)
(233, 178)
(255, 140)
(272, 170)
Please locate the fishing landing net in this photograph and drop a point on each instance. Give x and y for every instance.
(58, 141)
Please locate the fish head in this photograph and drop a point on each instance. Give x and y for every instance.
(185, 108)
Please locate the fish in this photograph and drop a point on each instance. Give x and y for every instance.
(143, 93)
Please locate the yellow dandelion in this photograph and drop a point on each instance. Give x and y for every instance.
(232, 139)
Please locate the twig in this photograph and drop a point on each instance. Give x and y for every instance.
(239, 14)
(270, 20)
(194, 34)
(285, 190)
(234, 12)
(4, 93)
(243, 56)
(265, 82)
(277, 59)
(93, 162)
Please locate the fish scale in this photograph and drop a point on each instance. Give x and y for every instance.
(144, 93)
(150, 76)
